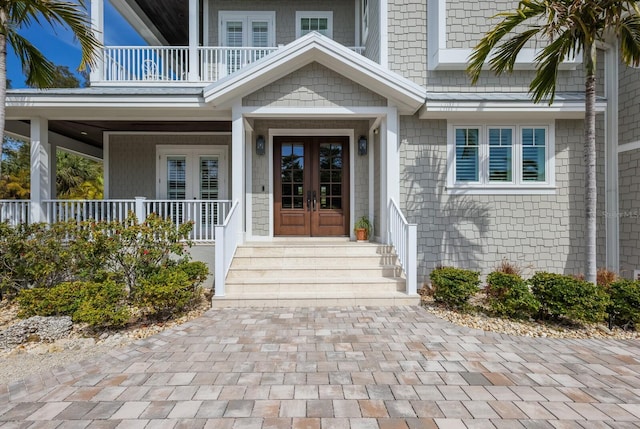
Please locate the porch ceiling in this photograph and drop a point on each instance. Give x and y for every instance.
(169, 17)
(91, 132)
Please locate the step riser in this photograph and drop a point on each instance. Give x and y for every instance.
(309, 275)
(308, 252)
(317, 262)
(315, 302)
(355, 288)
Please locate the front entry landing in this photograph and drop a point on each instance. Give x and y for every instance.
(311, 178)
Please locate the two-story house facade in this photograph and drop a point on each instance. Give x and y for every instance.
(285, 118)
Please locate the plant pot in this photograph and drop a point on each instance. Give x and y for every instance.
(361, 234)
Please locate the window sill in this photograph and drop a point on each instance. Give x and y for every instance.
(502, 190)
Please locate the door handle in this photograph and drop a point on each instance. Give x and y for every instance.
(314, 201)
(308, 201)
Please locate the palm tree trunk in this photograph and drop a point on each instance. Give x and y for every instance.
(590, 188)
(3, 85)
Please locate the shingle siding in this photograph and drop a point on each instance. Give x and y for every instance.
(629, 213)
(314, 85)
(539, 232)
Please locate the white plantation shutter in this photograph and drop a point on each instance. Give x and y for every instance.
(176, 178)
(534, 148)
(467, 154)
(500, 154)
(260, 34)
(209, 187)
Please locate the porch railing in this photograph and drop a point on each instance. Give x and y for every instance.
(157, 64)
(403, 236)
(205, 214)
(14, 211)
(228, 237)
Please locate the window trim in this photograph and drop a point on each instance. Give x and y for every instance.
(190, 152)
(314, 14)
(517, 186)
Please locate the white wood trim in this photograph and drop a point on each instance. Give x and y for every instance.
(206, 19)
(629, 146)
(328, 14)
(191, 153)
(443, 58)
(248, 180)
(97, 25)
(612, 189)
(106, 165)
(517, 186)
(40, 167)
(384, 34)
(309, 112)
(329, 132)
(238, 190)
(194, 32)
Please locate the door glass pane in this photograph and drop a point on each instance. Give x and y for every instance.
(208, 178)
(259, 38)
(176, 177)
(292, 175)
(330, 171)
(234, 40)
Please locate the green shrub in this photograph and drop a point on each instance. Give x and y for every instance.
(454, 286)
(569, 297)
(168, 292)
(624, 308)
(35, 255)
(103, 305)
(61, 300)
(97, 304)
(509, 295)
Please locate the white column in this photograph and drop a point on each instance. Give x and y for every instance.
(237, 162)
(392, 149)
(249, 138)
(384, 202)
(97, 24)
(53, 168)
(194, 27)
(40, 168)
(612, 222)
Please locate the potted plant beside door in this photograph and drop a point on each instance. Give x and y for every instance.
(362, 229)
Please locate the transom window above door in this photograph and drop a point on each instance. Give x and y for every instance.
(308, 21)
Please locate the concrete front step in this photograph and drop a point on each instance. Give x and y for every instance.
(315, 300)
(319, 286)
(314, 273)
(310, 274)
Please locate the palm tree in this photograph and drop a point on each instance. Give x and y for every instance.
(19, 14)
(568, 28)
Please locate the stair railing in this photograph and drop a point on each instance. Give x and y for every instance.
(404, 238)
(227, 238)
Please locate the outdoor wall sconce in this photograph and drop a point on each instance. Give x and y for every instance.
(260, 145)
(362, 145)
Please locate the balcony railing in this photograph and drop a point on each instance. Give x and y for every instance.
(162, 64)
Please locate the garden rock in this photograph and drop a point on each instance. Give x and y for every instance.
(35, 328)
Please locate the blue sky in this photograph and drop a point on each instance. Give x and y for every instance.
(58, 45)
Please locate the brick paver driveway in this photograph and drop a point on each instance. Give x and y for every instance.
(355, 368)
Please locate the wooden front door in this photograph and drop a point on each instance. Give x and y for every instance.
(311, 186)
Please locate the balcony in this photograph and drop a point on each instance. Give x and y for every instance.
(163, 64)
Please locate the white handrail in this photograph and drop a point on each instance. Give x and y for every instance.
(228, 237)
(404, 237)
(14, 212)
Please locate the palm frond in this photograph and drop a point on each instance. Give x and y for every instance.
(543, 85)
(510, 21)
(59, 13)
(506, 54)
(629, 37)
(37, 68)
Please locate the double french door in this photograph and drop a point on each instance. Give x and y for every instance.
(311, 182)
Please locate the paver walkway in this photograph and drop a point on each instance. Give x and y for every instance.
(356, 368)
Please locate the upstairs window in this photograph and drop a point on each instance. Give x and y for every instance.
(307, 21)
(488, 158)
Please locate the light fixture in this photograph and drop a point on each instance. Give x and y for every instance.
(260, 145)
(362, 145)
